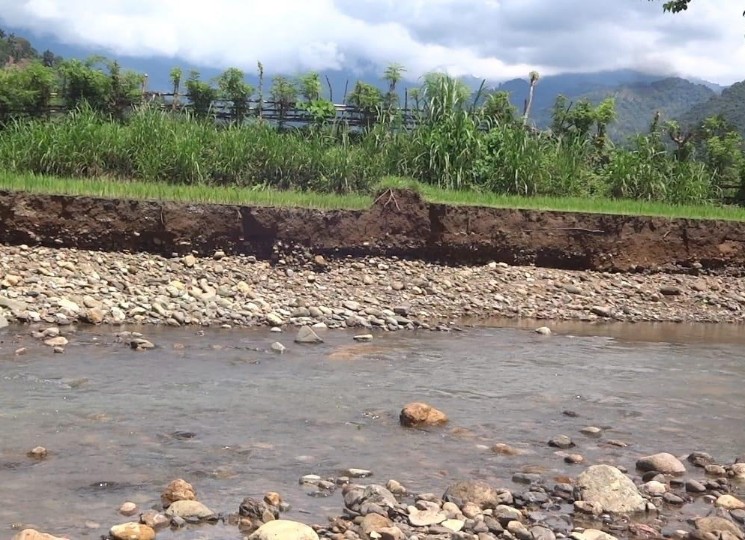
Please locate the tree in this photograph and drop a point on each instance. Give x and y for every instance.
(676, 6)
(368, 99)
(310, 86)
(284, 96)
(82, 83)
(25, 89)
(234, 89)
(176, 74)
(200, 93)
(393, 75)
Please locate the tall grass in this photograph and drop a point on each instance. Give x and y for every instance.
(450, 149)
(158, 146)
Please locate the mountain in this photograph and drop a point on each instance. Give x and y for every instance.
(638, 97)
(730, 104)
(637, 104)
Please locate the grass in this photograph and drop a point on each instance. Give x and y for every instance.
(624, 207)
(119, 189)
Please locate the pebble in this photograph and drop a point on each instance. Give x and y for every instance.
(561, 441)
(38, 452)
(128, 509)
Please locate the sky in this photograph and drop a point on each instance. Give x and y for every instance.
(492, 39)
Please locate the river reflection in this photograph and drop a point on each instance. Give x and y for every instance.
(221, 410)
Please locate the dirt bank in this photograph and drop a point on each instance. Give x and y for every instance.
(398, 224)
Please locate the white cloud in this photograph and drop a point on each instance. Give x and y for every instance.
(494, 39)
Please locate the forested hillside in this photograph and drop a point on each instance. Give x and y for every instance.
(730, 105)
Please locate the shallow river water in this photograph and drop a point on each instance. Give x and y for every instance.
(216, 408)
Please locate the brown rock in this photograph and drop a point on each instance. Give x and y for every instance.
(504, 449)
(178, 490)
(374, 523)
(92, 315)
(273, 498)
(421, 414)
(132, 531)
(730, 503)
(717, 525)
(476, 492)
(37, 453)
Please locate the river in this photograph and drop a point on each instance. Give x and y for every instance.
(218, 408)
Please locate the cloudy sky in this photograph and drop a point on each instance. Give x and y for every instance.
(493, 39)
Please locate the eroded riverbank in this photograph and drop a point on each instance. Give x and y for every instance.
(399, 223)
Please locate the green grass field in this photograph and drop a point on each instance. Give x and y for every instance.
(119, 189)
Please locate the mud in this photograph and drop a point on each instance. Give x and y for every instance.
(400, 224)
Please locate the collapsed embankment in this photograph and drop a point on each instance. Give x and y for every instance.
(400, 223)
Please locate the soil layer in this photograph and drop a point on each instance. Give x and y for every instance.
(399, 223)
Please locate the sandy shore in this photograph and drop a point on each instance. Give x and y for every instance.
(63, 286)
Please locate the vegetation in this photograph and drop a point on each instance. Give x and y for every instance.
(454, 139)
(728, 105)
(108, 188)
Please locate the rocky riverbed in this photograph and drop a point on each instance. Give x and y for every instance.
(693, 497)
(65, 286)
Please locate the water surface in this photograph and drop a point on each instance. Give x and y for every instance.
(220, 410)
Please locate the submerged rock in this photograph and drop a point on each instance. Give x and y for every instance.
(33, 534)
(609, 488)
(421, 414)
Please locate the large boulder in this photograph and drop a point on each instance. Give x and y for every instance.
(178, 490)
(475, 492)
(284, 529)
(611, 489)
(421, 414)
(663, 463)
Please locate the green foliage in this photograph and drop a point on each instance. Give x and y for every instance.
(25, 90)
(728, 105)
(368, 99)
(321, 111)
(498, 110)
(284, 95)
(234, 88)
(82, 83)
(201, 94)
(310, 86)
(15, 49)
